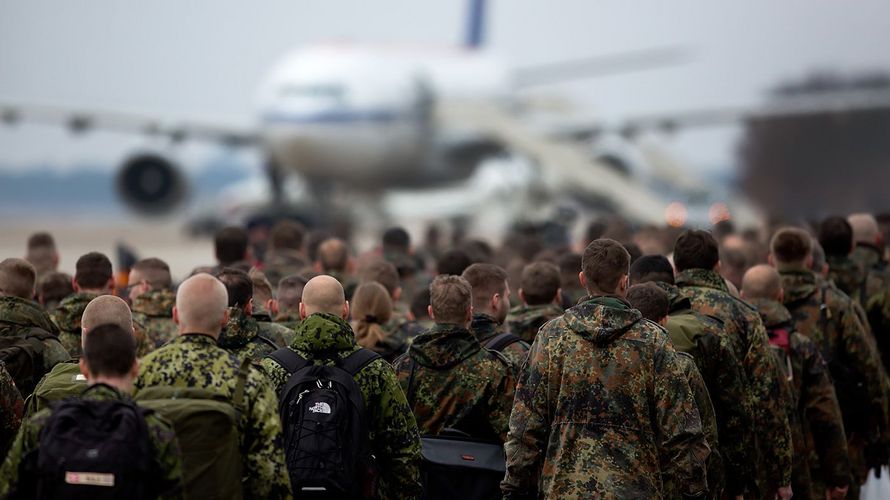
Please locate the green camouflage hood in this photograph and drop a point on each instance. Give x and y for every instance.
(25, 313)
(155, 303)
(702, 277)
(484, 327)
(773, 313)
(867, 256)
(676, 301)
(443, 345)
(602, 319)
(67, 315)
(240, 330)
(798, 284)
(284, 317)
(323, 333)
(846, 273)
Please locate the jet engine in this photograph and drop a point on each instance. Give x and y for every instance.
(151, 184)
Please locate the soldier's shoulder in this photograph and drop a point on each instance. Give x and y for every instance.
(491, 360)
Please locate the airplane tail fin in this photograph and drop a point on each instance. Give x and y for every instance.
(475, 34)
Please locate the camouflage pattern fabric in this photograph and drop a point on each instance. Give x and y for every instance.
(526, 320)
(708, 294)
(153, 310)
(820, 444)
(281, 335)
(282, 264)
(160, 432)
(394, 438)
(402, 332)
(67, 317)
(484, 328)
(702, 337)
(18, 316)
(11, 408)
(241, 337)
(603, 409)
(289, 321)
(457, 384)
(194, 360)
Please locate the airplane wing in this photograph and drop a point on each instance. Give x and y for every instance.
(79, 121)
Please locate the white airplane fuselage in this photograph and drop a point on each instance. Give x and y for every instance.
(363, 115)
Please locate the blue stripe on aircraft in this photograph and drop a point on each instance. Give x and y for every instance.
(327, 117)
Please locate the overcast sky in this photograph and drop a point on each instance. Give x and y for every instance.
(205, 58)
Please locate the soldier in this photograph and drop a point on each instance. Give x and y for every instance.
(828, 318)
(333, 260)
(11, 409)
(152, 297)
(265, 306)
(109, 364)
(539, 293)
(450, 380)
(20, 317)
(818, 428)
(400, 327)
(602, 407)
(231, 248)
(453, 262)
(396, 249)
(569, 289)
(285, 256)
(702, 337)
(324, 333)
(93, 277)
(53, 288)
(65, 379)
(290, 293)
(697, 261)
(194, 360)
(420, 310)
(241, 335)
(491, 302)
(652, 302)
(371, 309)
(42, 254)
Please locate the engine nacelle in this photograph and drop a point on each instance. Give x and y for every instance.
(151, 184)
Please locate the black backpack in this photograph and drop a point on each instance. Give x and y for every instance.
(23, 357)
(501, 341)
(326, 441)
(93, 450)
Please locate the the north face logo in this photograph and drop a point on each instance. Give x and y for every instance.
(320, 408)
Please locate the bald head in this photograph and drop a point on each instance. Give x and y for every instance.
(324, 294)
(201, 305)
(865, 228)
(106, 310)
(762, 282)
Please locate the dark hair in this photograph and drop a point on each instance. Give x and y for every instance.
(569, 267)
(652, 268)
(733, 258)
(604, 263)
(419, 304)
(290, 290)
(723, 229)
(238, 284)
(633, 250)
(791, 245)
(539, 283)
(454, 261)
(109, 350)
(836, 236)
(286, 234)
(93, 271)
(54, 287)
(156, 271)
(486, 280)
(230, 244)
(696, 249)
(650, 300)
(396, 238)
(41, 240)
(382, 272)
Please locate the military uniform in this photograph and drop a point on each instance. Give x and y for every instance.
(708, 417)
(457, 384)
(602, 408)
(820, 445)
(485, 328)
(11, 407)
(708, 293)
(241, 336)
(280, 334)
(526, 320)
(401, 333)
(19, 316)
(283, 264)
(62, 382)
(194, 360)
(702, 337)
(67, 317)
(161, 436)
(290, 321)
(153, 310)
(394, 438)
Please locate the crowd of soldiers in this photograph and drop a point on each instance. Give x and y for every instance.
(636, 363)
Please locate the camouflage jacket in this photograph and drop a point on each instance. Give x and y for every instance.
(289, 321)
(18, 316)
(724, 375)
(709, 295)
(708, 417)
(485, 328)
(11, 408)
(402, 332)
(839, 335)
(241, 336)
(153, 311)
(283, 264)
(526, 320)
(160, 432)
(603, 408)
(820, 444)
(194, 360)
(280, 334)
(394, 438)
(455, 383)
(67, 318)
(62, 382)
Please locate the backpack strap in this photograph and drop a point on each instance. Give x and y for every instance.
(268, 341)
(410, 392)
(238, 398)
(358, 360)
(288, 359)
(824, 316)
(501, 341)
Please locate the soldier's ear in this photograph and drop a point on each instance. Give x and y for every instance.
(84, 369)
(558, 299)
(345, 310)
(397, 294)
(771, 260)
(583, 280)
(522, 296)
(175, 315)
(429, 310)
(272, 307)
(249, 307)
(303, 314)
